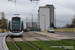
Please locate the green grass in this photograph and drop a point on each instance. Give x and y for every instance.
(64, 43)
(24, 46)
(21, 44)
(70, 42)
(58, 43)
(42, 45)
(11, 46)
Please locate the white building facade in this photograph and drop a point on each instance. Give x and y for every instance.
(46, 17)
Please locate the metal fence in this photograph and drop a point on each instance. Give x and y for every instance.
(66, 29)
(1, 30)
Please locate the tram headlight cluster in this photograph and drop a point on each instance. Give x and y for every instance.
(15, 31)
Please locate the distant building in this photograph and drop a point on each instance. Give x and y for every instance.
(0, 23)
(29, 25)
(5, 22)
(46, 17)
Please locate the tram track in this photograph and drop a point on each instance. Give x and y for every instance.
(30, 44)
(54, 38)
(66, 43)
(45, 41)
(48, 37)
(15, 43)
(41, 35)
(24, 41)
(35, 35)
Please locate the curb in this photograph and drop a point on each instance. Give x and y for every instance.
(4, 43)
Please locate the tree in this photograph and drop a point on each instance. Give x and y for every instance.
(71, 25)
(73, 22)
(68, 26)
(3, 21)
(52, 25)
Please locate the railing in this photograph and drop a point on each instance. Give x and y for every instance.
(44, 31)
(1, 30)
(66, 29)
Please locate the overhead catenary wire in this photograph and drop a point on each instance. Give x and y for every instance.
(16, 9)
(33, 9)
(30, 12)
(15, 6)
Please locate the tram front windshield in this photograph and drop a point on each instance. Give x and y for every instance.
(16, 24)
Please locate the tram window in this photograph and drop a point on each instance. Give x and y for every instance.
(15, 24)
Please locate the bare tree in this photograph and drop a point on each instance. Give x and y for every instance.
(3, 21)
(73, 22)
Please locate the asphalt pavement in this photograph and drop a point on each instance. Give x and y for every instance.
(1, 40)
(67, 34)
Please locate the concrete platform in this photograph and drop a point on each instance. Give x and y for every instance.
(47, 37)
(43, 38)
(30, 39)
(17, 39)
(53, 35)
(8, 40)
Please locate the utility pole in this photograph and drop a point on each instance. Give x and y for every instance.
(26, 23)
(55, 19)
(32, 22)
(3, 21)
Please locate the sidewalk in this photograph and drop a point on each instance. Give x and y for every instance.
(2, 41)
(53, 35)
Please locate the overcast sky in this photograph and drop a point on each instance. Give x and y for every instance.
(64, 12)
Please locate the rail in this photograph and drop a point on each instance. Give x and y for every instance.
(30, 44)
(46, 41)
(15, 44)
(24, 41)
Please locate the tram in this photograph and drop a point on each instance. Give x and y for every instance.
(15, 26)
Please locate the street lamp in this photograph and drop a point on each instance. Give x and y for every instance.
(55, 16)
(26, 23)
(34, 0)
(32, 23)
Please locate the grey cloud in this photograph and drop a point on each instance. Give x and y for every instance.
(65, 9)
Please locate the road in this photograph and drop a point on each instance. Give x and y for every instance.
(1, 40)
(67, 34)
